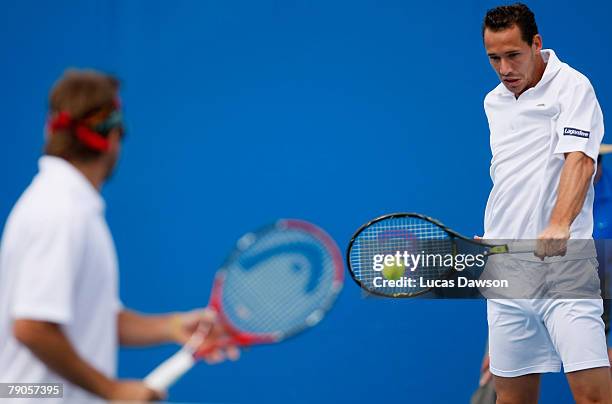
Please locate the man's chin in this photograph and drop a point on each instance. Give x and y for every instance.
(109, 176)
(518, 89)
(110, 172)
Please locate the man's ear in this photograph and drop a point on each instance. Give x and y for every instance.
(537, 42)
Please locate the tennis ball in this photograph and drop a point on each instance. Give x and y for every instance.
(393, 272)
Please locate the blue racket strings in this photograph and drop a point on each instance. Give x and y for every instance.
(420, 244)
(278, 281)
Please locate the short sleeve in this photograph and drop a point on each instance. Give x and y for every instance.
(47, 271)
(119, 306)
(580, 125)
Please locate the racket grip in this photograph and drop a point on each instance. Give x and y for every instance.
(523, 246)
(169, 371)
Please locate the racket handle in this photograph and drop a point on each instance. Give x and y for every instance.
(524, 246)
(169, 371)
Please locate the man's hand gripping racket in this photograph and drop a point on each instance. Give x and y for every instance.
(277, 282)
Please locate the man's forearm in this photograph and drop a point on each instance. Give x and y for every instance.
(49, 344)
(574, 184)
(138, 329)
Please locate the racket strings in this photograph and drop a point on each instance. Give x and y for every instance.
(284, 311)
(279, 293)
(274, 302)
(410, 235)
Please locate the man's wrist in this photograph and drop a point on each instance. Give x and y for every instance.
(104, 387)
(559, 223)
(173, 326)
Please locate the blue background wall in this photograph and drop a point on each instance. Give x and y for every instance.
(242, 112)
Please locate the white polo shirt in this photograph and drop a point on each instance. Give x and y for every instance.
(529, 137)
(58, 264)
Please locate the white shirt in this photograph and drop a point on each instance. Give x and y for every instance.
(529, 137)
(58, 264)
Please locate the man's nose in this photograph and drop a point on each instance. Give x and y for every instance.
(504, 67)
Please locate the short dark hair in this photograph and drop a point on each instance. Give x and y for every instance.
(504, 17)
(88, 96)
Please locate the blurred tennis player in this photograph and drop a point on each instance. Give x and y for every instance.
(60, 314)
(546, 127)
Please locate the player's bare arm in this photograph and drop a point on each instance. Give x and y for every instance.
(574, 183)
(40, 336)
(139, 330)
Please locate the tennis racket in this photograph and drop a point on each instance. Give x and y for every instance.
(415, 234)
(277, 282)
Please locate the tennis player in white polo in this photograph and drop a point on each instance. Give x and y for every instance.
(61, 319)
(546, 127)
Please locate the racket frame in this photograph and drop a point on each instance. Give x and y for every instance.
(169, 371)
(245, 339)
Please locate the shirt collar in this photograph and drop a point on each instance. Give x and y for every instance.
(72, 178)
(553, 65)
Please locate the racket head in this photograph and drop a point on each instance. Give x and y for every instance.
(278, 281)
(387, 234)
